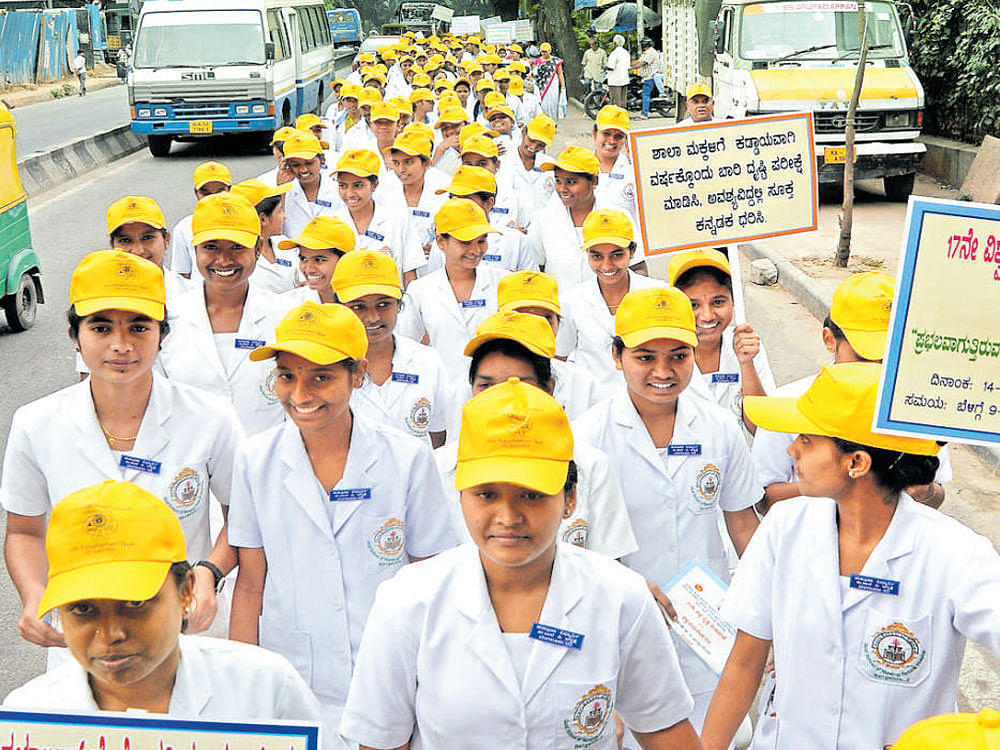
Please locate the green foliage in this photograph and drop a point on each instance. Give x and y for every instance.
(582, 19)
(955, 51)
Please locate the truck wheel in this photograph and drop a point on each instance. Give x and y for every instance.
(898, 187)
(159, 145)
(21, 306)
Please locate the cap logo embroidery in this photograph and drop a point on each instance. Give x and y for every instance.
(370, 264)
(126, 271)
(100, 524)
(306, 317)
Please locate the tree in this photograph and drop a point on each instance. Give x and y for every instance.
(559, 23)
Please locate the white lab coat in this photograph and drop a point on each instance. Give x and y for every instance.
(725, 386)
(558, 243)
(56, 447)
(575, 389)
(509, 250)
(430, 307)
(599, 521)
(182, 259)
(190, 355)
(509, 210)
(299, 210)
(422, 214)
(855, 668)
(279, 276)
(535, 185)
(217, 680)
(325, 558)
(616, 189)
(434, 667)
(390, 232)
(588, 328)
(359, 136)
(415, 398)
(674, 500)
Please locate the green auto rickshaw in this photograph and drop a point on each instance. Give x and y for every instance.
(20, 271)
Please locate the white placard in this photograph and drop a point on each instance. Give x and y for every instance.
(524, 31)
(464, 25)
(696, 593)
(501, 33)
(441, 13)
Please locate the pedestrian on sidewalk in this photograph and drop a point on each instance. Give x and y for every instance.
(121, 63)
(595, 60)
(80, 68)
(618, 65)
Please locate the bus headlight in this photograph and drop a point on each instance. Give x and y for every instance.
(260, 109)
(144, 113)
(160, 112)
(242, 109)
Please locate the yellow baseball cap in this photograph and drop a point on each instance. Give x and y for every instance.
(531, 331)
(469, 180)
(350, 91)
(114, 280)
(375, 75)
(421, 95)
(575, 159)
(112, 540)
(451, 116)
(281, 134)
(494, 98)
(368, 97)
(840, 403)
(485, 85)
(514, 433)
(528, 289)
(135, 208)
(480, 144)
(606, 226)
(385, 111)
(366, 272)
(698, 88)
(323, 334)
(682, 262)
(448, 99)
(412, 142)
(613, 118)
(464, 220)
(655, 313)
(862, 306)
(402, 104)
(301, 145)
(501, 75)
(360, 162)
(474, 128)
(517, 86)
(255, 191)
(422, 128)
(542, 128)
(225, 216)
(366, 57)
(499, 109)
(953, 732)
(307, 121)
(211, 171)
(545, 47)
(323, 233)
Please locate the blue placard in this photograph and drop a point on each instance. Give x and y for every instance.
(684, 449)
(248, 343)
(725, 377)
(323, 203)
(492, 258)
(875, 585)
(421, 214)
(375, 235)
(356, 493)
(555, 636)
(466, 303)
(134, 463)
(283, 262)
(405, 377)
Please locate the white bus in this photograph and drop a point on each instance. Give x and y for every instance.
(205, 67)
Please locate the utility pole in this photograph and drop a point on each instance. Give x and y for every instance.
(847, 208)
(639, 28)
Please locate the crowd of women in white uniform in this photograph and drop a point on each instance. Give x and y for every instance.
(422, 336)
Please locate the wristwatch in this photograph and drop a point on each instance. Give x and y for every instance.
(216, 573)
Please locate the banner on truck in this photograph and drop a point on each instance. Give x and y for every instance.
(941, 378)
(721, 182)
(464, 25)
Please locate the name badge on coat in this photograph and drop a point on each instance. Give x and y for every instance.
(405, 377)
(375, 235)
(555, 636)
(467, 303)
(725, 377)
(283, 262)
(248, 343)
(684, 449)
(356, 493)
(134, 463)
(323, 203)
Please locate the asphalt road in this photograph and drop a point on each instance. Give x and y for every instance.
(45, 125)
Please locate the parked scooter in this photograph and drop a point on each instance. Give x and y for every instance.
(600, 94)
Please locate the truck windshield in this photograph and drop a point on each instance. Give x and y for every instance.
(197, 39)
(820, 30)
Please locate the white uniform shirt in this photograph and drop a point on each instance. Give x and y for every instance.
(389, 231)
(534, 185)
(616, 189)
(184, 449)
(558, 242)
(320, 587)
(531, 105)
(415, 398)
(674, 494)
(618, 65)
(422, 214)
(434, 670)
(299, 210)
(599, 521)
(509, 210)
(190, 355)
(182, 259)
(725, 386)
(575, 388)
(588, 328)
(270, 177)
(509, 250)
(359, 136)
(430, 307)
(277, 277)
(854, 668)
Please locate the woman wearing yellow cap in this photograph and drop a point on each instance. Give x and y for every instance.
(326, 505)
(547, 72)
(323, 242)
(406, 384)
(508, 208)
(224, 317)
(617, 185)
(885, 591)
(136, 225)
(516, 640)
(124, 422)
(210, 178)
(557, 228)
(279, 174)
(524, 163)
(314, 191)
(119, 578)
(275, 269)
(682, 461)
(410, 158)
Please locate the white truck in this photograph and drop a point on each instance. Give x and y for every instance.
(767, 56)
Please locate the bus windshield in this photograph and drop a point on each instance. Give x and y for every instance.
(194, 39)
(821, 30)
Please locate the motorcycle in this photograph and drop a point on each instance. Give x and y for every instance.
(600, 94)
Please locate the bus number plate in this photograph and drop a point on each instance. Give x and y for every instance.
(837, 155)
(200, 126)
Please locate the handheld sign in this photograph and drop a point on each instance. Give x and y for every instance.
(941, 378)
(115, 731)
(726, 181)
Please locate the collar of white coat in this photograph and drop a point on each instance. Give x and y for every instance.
(626, 415)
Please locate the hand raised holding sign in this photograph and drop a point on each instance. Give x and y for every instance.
(746, 343)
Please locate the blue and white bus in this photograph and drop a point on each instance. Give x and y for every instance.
(345, 25)
(205, 67)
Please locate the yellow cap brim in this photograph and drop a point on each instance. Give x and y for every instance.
(287, 244)
(616, 240)
(351, 293)
(148, 307)
(240, 237)
(697, 262)
(410, 150)
(520, 304)
(136, 220)
(357, 172)
(482, 338)
(130, 581)
(535, 135)
(479, 153)
(869, 344)
(199, 185)
(472, 231)
(544, 475)
(302, 155)
(319, 354)
(636, 338)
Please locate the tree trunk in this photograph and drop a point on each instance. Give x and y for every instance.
(560, 22)
(847, 209)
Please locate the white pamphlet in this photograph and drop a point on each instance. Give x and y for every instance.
(696, 593)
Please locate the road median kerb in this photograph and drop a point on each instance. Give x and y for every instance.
(816, 296)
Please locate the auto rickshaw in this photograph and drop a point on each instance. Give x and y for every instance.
(20, 270)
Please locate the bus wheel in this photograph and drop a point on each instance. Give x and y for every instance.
(159, 145)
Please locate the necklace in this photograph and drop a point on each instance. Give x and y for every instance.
(112, 439)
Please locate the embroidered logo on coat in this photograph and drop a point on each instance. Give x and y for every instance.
(590, 716)
(706, 486)
(267, 391)
(894, 653)
(185, 492)
(419, 419)
(388, 542)
(577, 533)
